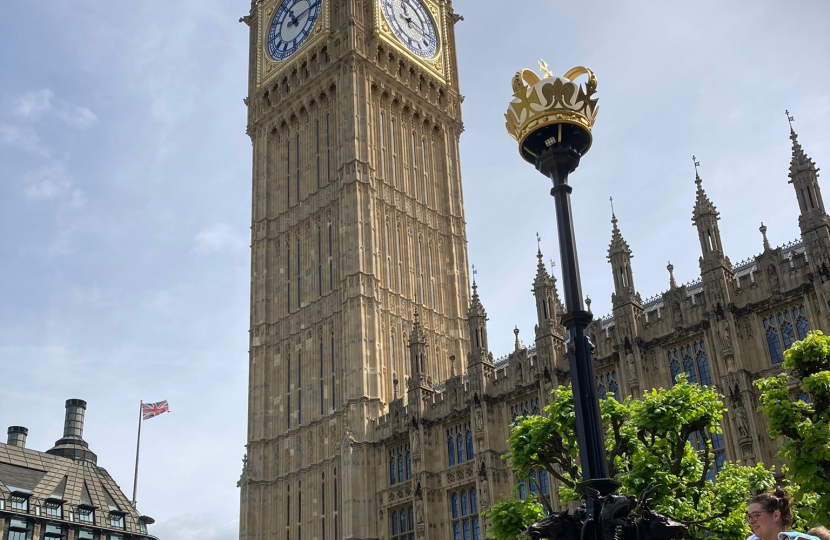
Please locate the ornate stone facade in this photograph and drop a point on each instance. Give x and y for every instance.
(376, 409)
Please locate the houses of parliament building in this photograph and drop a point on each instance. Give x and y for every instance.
(376, 409)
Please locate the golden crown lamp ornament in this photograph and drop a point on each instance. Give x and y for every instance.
(552, 111)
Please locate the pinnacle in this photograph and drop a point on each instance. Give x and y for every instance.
(703, 206)
(618, 243)
(800, 162)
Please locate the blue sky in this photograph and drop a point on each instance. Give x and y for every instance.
(125, 197)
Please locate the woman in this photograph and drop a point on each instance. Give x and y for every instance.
(770, 516)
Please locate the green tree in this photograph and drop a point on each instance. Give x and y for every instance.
(648, 441)
(804, 424)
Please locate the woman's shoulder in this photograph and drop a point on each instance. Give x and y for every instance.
(795, 535)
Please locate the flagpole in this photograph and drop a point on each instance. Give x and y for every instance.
(137, 446)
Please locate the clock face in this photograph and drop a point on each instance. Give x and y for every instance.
(412, 25)
(291, 26)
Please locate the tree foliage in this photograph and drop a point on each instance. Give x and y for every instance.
(804, 425)
(648, 441)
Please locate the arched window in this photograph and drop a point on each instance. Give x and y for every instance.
(773, 341)
(328, 151)
(703, 365)
(414, 169)
(692, 360)
(469, 441)
(689, 365)
(400, 466)
(602, 391)
(394, 153)
(317, 148)
(787, 330)
(400, 259)
(392, 470)
(459, 446)
(450, 449)
(534, 486)
(464, 509)
(424, 168)
(388, 255)
(420, 276)
(431, 279)
(408, 465)
(613, 389)
(804, 397)
(801, 323)
(382, 147)
(544, 485)
(394, 523)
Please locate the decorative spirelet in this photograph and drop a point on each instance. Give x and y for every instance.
(541, 108)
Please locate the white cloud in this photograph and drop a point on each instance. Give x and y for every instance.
(24, 139)
(53, 182)
(36, 104)
(219, 237)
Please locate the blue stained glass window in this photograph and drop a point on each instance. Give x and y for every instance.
(543, 481)
(773, 341)
(392, 470)
(466, 525)
(522, 489)
(802, 326)
(408, 465)
(469, 445)
(613, 389)
(411, 521)
(473, 502)
(532, 482)
(788, 333)
(400, 467)
(464, 508)
(476, 533)
(689, 366)
(459, 445)
(674, 365)
(394, 522)
(805, 397)
(455, 506)
(450, 449)
(703, 368)
(456, 531)
(720, 461)
(602, 393)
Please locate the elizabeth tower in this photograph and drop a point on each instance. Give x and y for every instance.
(357, 234)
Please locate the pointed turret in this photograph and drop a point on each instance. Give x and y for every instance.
(477, 318)
(544, 290)
(804, 178)
(619, 256)
(418, 356)
(705, 217)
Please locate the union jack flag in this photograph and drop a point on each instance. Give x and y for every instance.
(149, 410)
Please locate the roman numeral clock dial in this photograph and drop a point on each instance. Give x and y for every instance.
(412, 25)
(292, 24)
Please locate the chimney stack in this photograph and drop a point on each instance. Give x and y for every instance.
(17, 436)
(73, 426)
(73, 445)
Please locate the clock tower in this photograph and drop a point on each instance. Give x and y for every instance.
(357, 225)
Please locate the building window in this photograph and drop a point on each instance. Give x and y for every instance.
(18, 529)
(299, 389)
(331, 263)
(691, 360)
(403, 524)
(459, 443)
(328, 151)
(53, 532)
(299, 275)
(782, 328)
(54, 509)
(414, 169)
(116, 520)
(400, 464)
(86, 515)
(400, 259)
(607, 386)
(298, 167)
(288, 174)
(464, 510)
(319, 263)
(394, 153)
(20, 502)
(698, 442)
(529, 407)
(332, 375)
(388, 255)
(382, 148)
(317, 136)
(83, 534)
(424, 169)
(804, 397)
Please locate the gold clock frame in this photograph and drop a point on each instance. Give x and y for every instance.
(437, 65)
(267, 67)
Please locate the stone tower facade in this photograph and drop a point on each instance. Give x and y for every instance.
(359, 282)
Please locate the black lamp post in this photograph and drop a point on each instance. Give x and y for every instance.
(551, 119)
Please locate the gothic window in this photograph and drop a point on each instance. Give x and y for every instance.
(464, 513)
(288, 174)
(299, 388)
(392, 349)
(288, 277)
(332, 375)
(298, 167)
(322, 393)
(319, 263)
(431, 278)
(394, 153)
(414, 170)
(408, 469)
(288, 392)
(317, 137)
(388, 255)
(392, 470)
(692, 360)
(400, 260)
(804, 397)
(331, 264)
(323, 504)
(420, 276)
(299, 274)
(402, 524)
(400, 464)
(526, 408)
(607, 386)
(328, 151)
(424, 168)
(460, 443)
(382, 148)
(698, 442)
(782, 328)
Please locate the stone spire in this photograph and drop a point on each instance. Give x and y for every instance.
(705, 217)
(804, 178)
(763, 229)
(544, 290)
(477, 319)
(703, 206)
(619, 256)
(418, 354)
(672, 282)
